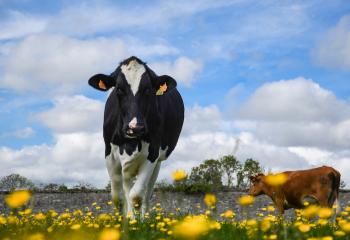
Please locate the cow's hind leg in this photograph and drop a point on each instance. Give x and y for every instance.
(114, 171)
(141, 186)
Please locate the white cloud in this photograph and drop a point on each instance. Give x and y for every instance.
(294, 100)
(41, 63)
(74, 157)
(22, 133)
(19, 25)
(298, 112)
(333, 49)
(59, 64)
(184, 69)
(74, 114)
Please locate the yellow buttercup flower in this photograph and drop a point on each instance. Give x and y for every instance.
(75, 227)
(265, 225)
(39, 216)
(310, 212)
(192, 227)
(339, 233)
(3, 220)
(271, 208)
(17, 199)
(325, 212)
(276, 179)
(246, 200)
(210, 199)
(179, 175)
(228, 214)
(304, 227)
(345, 226)
(251, 222)
(110, 234)
(36, 236)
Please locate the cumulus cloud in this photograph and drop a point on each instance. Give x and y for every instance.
(293, 100)
(74, 157)
(55, 63)
(72, 114)
(298, 112)
(305, 124)
(333, 49)
(184, 69)
(44, 62)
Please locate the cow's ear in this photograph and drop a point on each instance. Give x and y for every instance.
(102, 82)
(164, 84)
(252, 178)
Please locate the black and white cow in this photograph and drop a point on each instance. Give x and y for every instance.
(143, 119)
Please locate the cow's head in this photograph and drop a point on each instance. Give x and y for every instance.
(138, 88)
(258, 185)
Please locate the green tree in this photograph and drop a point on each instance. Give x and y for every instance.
(62, 188)
(208, 173)
(250, 167)
(51, 187)
(230, 165)
(83, 186)
(15, 181)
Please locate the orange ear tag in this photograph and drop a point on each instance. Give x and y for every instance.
(102, 85)
(162, 89)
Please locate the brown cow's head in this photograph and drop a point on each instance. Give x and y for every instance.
(257, 186)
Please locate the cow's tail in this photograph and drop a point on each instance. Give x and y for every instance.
(335, 183)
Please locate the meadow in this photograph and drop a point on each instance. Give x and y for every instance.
(91, 222)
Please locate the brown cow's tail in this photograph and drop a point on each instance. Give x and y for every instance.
(335, 183)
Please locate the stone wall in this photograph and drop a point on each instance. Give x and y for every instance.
(188, 203)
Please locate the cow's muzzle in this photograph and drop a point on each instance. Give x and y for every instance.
(135, 131)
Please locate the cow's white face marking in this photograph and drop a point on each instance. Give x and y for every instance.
(133, 123)
(133, 73)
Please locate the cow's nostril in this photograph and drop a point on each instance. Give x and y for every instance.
(135, 131)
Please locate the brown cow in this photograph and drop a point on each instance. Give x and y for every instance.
(319, 184)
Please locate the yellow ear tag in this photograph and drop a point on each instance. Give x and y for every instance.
(102, 85)
(162, 89)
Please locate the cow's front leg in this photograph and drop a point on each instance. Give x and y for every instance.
(150, 187)
(127, 183)
(114, 171)
(142, 185)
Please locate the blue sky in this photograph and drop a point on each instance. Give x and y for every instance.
(269, 75)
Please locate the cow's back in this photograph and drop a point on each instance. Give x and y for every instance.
(317, 182)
